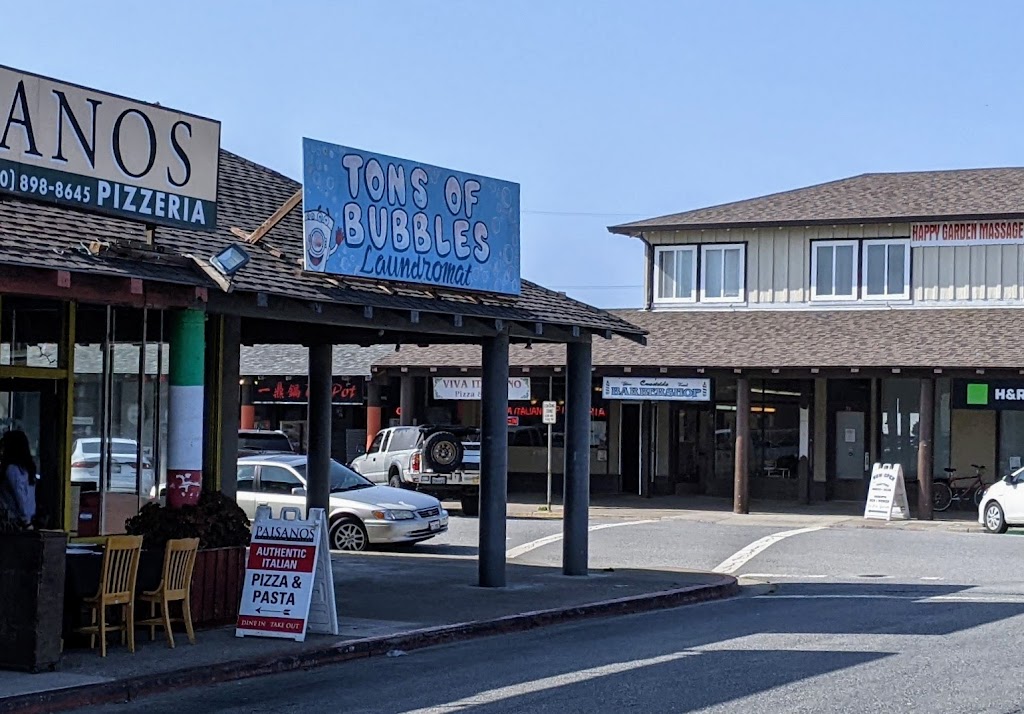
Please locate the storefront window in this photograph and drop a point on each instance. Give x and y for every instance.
(1011, 443)
(30, 331)
(118, 460)
(775, 428)
(901, 416)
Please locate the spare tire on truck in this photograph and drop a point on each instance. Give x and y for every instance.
(442, 452)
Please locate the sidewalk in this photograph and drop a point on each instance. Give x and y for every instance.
(386, 602)
(834, 514)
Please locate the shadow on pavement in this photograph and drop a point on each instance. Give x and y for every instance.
(703, 656)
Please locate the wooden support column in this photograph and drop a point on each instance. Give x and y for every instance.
(575, 521)
(318, 468)
(741, 487)
(373, 411)
(926, 434)
(819, 437)
(407, 400)
(493, 462)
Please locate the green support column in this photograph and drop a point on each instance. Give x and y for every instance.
(185, 408)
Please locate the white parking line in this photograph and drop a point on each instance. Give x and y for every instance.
(499, 694)
(804, 576)
(1007, 599)
(512, 553)
(740, 558)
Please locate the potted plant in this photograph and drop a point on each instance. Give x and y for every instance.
(32, 593)
(223, 531)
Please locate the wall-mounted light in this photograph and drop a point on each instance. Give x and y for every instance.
(230, 260)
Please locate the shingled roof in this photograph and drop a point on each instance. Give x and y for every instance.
(785, 339)
(53, 237)
(868, 198)
(349, 360)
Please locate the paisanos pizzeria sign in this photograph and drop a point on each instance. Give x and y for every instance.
(967, 233)
(66, 144)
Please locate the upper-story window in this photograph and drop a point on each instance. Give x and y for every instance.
(886, 269)
(834, 270)
(675, 274)
(722, 273)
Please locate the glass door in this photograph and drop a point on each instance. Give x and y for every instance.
(23, 404)
(684, 425)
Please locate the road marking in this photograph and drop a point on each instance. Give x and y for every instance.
(740, 558)
(780, 576)
(981, 598)
(547, 683)
(512, 553)
(769, 576)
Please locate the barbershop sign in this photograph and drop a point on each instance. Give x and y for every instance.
(470, 389)
(967, 233)
(657, 389)
(61, 143)
(379, 218)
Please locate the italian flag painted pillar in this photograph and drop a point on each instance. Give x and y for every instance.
(185, 408)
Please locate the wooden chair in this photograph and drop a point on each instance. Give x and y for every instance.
(117, 587)
(175, 585)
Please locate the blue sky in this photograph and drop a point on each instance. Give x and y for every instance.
(602, 111)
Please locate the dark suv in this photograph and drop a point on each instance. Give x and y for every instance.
(253, 442)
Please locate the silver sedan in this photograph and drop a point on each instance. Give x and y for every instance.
(361, 513)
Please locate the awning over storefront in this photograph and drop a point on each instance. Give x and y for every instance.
(923, 339)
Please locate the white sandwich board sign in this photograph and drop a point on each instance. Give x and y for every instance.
(289, 588)
(887, 494)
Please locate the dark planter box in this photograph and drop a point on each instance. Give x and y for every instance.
(217, 586)
(31, 599)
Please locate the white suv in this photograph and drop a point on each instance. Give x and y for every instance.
(1002, 504)
(441, 461)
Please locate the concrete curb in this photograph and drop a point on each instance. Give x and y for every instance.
(127, 689)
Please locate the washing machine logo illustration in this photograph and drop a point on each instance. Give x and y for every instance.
(320, 241)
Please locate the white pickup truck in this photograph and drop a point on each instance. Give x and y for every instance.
(441, 461)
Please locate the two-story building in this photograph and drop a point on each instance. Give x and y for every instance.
(859, 317)
(824, 329)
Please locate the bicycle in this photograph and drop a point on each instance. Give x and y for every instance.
(944, 493)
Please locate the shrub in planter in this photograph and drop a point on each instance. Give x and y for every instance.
(223, 532)
(216, 521)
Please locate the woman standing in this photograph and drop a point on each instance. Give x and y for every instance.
(17, 478)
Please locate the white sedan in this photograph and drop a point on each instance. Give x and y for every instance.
(361, 514)
(124, 455)
(1002, 504)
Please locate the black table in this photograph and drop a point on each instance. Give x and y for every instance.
(82, 579)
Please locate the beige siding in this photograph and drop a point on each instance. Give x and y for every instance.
(779, 263)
